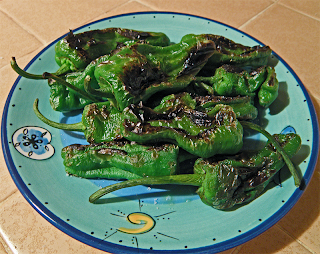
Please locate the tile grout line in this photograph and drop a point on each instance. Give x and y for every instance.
(143, 3)
(294, 238)
(24, 27)
(5, 245)
(300, 12)
(257, 15)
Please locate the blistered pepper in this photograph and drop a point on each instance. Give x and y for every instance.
(122, 160)
(198, 132)
(134, 73)
(130, 74)
(231, 80)
(241, 105)
(227, 182)
(232, 53)
(75, 51)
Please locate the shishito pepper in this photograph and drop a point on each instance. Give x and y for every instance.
(231, 80)
(75, 51)
(130, 74)
(199, 133)
(134, 73)
(100, 122)
(230, 52)
(122, 160)
(228, 182)
(241, 105)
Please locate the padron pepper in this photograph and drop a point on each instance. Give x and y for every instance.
(134, 73)
(228, 182)
(231, 80)
(75, 51)
(232, 53)
(130, 74)
(122, 160)
(198, 132)
(241, 105)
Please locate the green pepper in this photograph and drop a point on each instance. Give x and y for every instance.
(197, 132)
(231, 80)
(100, 122)
(122, 160)
(230, 52)
(241, 105)
(65, 99)
(134, 73)
(130, 74)
(228, 182)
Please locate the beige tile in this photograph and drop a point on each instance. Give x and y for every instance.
(48, 20)
(27, 232)
(295, 37)
(274, 241)
(14, 45)
(303, 220)
(8, 77)
(310, 7)
(233, 13)
(132, 6)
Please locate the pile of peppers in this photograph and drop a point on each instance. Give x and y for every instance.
(151, 106)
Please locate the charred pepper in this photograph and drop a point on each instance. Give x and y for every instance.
(75, 51)
(134, 73)
(228, 182)
(121, 160)
(231, 80)
(230, 52)
(199, 133)
(241, 105)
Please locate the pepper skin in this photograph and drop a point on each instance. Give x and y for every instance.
(64, 99)
(232, 53)
(241, 105)
(199, 133)
(229, 182)
(76, 51)
(120, 160)
(134, 73)
(240, 180)
(231, 80)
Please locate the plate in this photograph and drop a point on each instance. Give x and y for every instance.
(176, 220)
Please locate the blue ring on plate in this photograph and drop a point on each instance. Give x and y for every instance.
(106, 246)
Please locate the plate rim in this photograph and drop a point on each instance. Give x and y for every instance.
(108, 246)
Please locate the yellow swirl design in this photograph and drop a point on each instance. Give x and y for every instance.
(139, 219)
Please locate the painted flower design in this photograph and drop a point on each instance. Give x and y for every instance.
(33, 142)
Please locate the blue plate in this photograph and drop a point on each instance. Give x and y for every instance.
(175, 220)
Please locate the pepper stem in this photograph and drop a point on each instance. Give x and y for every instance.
(292, 169)
(21, 72)
(63, 126)
(62, 70)
(184, 179)
(84, 94)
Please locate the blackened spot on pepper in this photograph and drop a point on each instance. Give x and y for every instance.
(200, 118)
(197, 57)
(138, 77)
(132, 34)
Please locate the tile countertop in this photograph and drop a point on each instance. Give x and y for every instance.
(290, 27)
